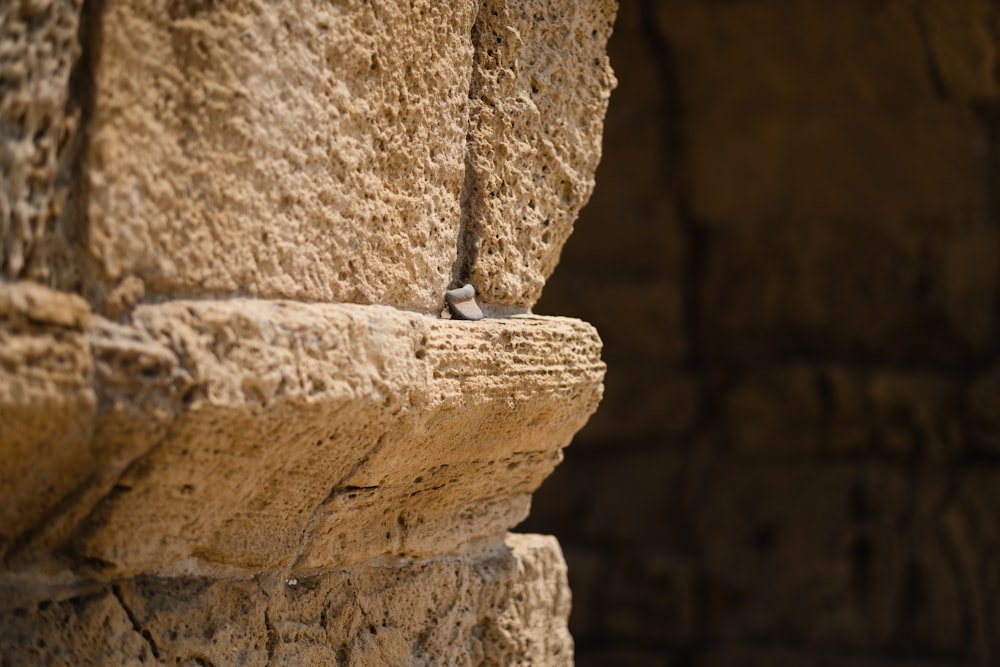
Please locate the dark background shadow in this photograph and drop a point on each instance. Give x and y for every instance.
(792, 256)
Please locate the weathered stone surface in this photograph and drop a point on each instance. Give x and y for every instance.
(256, 434)
(505, 605)
(269, 481)
(47, 404)
(280, 149)
(293, 151)
(38, 48)
(540, 86)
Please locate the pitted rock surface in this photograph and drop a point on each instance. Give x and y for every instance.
(504, 604)
(253, 435)
(355, 153)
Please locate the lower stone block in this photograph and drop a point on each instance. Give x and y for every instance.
(504, 603)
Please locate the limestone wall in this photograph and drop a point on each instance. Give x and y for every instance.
(793, 258)
(235, 425)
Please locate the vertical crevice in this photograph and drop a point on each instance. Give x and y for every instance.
(469, 230)
(271, 642)
(80, 270)
(136, 627)
(470, 223)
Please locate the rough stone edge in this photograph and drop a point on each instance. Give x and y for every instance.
(515, 609)
(163, 393)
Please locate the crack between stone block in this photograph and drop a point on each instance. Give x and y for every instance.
(51, 517)
(139, 630)
(85, 275)
(339, 487)
(272, 637)
(466, 246)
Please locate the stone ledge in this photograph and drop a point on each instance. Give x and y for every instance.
(502, 606)
(244, 436)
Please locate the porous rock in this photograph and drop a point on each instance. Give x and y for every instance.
(540, 87)
(255, 435)
(505, 604)
(38, 48)
(280, 149)
(356, 153)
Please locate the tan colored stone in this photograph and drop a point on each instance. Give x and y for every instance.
(47, 406)
(255, 435)
(540, 87)
(254, 480)
(505, 605)
(27, 302)
(337, 153)
(283, 150)
(38, 48)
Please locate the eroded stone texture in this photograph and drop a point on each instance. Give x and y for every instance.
(47, 404)
(339, 153)
(280, 149)
(38, 48)
(255, 434)
(505, 605)
(540, 87)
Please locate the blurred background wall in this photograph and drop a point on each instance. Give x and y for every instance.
(793, 256)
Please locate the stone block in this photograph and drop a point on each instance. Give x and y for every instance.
(315, 153)
(254, 435)
(38, 121)
(540, 87)
(287, 150)
(506, 604)
(628, 226)
(47, 406)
